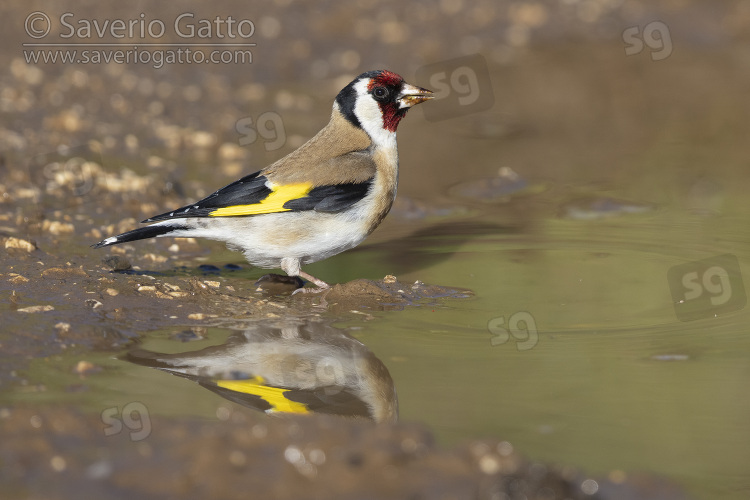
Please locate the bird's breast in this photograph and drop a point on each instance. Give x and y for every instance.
(384, 187)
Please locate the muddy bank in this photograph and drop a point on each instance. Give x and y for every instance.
(59, 453)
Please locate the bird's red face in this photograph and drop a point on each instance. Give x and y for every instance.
(395, 97)
(379, 100)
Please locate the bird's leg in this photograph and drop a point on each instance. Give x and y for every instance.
(291, 266)
(322, 285)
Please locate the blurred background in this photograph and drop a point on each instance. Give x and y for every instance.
(584, 173)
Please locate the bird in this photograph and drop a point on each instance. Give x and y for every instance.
(289, 365)
(323, 198)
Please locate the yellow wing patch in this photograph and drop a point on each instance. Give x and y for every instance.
(273, 395)
(272, 203)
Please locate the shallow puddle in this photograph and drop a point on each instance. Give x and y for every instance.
(590, 242)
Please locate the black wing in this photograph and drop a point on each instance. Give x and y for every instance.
(252, 195)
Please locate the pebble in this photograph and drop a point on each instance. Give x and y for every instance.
(57, 228)
(61, 273)
(489, 464)
(93, 303)
(19, 244)
(237, 458)
(155, 258)
(58, 463)
(117, 263)
(84, 367)
(36, 309)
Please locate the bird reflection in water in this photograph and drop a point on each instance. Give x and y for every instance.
(288, 366)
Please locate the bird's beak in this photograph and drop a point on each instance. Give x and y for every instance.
(411, 95)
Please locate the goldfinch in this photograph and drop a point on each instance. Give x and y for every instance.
(288, 366)
(321, 199)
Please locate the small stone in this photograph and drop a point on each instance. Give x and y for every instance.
(155, 258)
(93, 303)
(111, 292)
(146, 288)
(63, 327)
(231, 151)
(58, 463)
(36, 309)
(201, 139)
(61, 273)
(237, 458)
(19, 244)
(117, 263)
(389, 279)
(213, 284)
(196, 316)
(489, 464)
(17, 278)
(85, 367)
(57, 228)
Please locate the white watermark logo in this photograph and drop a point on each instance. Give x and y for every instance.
(185, 39)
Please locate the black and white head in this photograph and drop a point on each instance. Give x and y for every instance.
(376, 101)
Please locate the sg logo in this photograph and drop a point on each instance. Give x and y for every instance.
(269, 126)
(706, 288)
(462, 86)
(661, 45)
(522, 328)
(134, 416)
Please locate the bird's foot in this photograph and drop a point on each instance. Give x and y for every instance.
(321, 285)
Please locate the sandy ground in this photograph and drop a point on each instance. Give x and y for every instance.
(86, 151)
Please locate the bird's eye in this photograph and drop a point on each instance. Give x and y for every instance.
(380, 93)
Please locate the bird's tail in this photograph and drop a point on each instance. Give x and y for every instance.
(139, 234)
